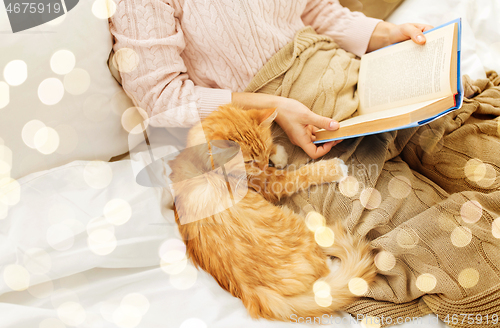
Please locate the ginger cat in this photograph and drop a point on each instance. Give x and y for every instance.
(259, 252)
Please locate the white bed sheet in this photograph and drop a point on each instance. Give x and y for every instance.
(70, 285)
(73, 284)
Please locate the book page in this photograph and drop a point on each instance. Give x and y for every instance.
(373, 116)
(406, 73)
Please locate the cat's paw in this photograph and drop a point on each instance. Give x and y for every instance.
(344, 169)
(280, 157)
(332, 170)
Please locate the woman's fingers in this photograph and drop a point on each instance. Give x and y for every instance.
(321, 122)
(315, 151)
(414, 31)
(423, 27)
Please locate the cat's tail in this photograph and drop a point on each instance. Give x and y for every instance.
(343, 285)
(357, 269)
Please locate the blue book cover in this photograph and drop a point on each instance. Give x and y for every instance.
(457, 101)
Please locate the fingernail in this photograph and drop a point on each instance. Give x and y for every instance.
(334, 125)
(420, 38)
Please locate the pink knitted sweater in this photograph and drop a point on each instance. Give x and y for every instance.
(194, 53)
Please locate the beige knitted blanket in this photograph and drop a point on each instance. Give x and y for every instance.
(428, 198)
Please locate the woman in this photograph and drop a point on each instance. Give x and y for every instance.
(195, 55)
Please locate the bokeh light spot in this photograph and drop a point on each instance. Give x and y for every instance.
(101, 242)
(314, 221)
(324, 236)
(62, 62)
(60, 237)
(29, 131)
(370, 198)
(468, 278)
(426, 282)
(46, 140)
(489, 178)
(101, 236)
(172, 251)
(71, 313)
(407, 238)
(322, 293)
(184, 280)
(135, 302)
(50, 91)
(173, 268)
(323, 299)
(98, 174)
(16, 277)
(15, 72)
(385, 261)
(77, 81)
(358, 286)
(135, 120)
(321, 286)
(4, 94)
(108, 307)
(400, 187)
(100, 223)
(117, 211)
(125, 60)
(471, 211)
(349, 186)
(461, 236)
(103, 9)
(475, 170)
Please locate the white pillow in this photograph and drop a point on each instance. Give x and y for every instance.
(86, 120)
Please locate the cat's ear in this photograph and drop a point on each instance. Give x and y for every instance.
(267, 116)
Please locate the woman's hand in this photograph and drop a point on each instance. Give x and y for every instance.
(300, 124)
(386, 33)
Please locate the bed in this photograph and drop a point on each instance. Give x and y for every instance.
(67, 264)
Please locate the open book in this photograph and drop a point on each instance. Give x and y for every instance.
(405, 85)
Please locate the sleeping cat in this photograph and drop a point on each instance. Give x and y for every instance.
(259, 252)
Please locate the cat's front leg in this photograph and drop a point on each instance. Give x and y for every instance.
(274, 184)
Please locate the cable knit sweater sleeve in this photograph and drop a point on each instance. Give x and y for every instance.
(351, 30)
(159, 84)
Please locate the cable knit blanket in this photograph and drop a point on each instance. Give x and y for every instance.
(428, 198)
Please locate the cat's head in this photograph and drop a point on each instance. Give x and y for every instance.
(250, 129)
